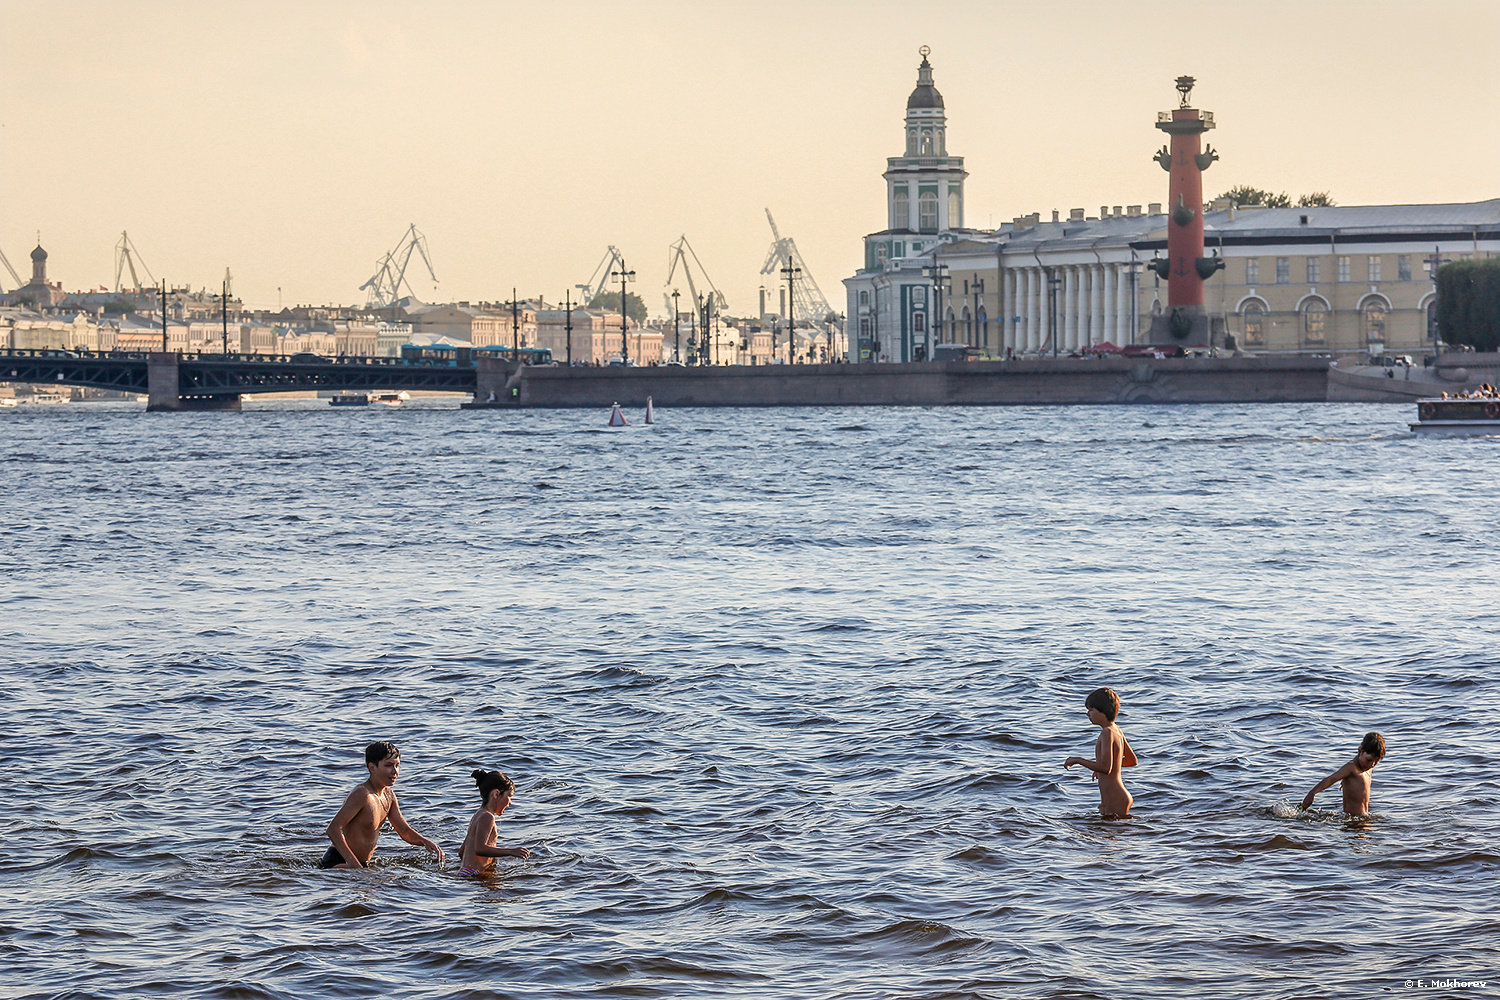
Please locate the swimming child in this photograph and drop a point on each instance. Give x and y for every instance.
(478, 851)
(1111, 753)
(1355, 776)
(356, 829)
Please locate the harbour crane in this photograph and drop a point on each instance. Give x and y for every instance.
(807, 299)
(599, 280)
(384, 287)
(679, 254)
(6, 261)
(126, 257)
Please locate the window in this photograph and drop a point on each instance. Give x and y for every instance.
(1432, 324)
(919, 322)
(1343, 268)
(1252, 271)
(911, 143)
(864, 328)
(1374, 268)
(927, 206)
(1283, 270)
(926, 143)
(1312, 270)
(864, 298)
(955, 211)
(1374, 322)
(1314, 322)
(900, 210)
(1253, 319)
(1403, 267)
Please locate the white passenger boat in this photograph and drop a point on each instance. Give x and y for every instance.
(389, 398)
(1468, 416)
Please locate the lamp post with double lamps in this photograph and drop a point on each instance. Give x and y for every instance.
(624, 276)
(791, 271)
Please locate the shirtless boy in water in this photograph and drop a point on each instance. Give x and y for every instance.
(478, 850)
(1355, 775)
(1111, 754)
(355, 831)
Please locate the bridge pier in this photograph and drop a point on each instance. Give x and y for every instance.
(497, 385)
(163, 388)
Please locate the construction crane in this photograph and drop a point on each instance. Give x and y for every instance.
(599, 280)
(807, 299)
(6, 261)
(126, 257)
(679, 254)
(384, 287)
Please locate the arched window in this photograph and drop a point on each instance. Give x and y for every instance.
(952, 323)
(1374, 322)
(984, 329)
(911, 142)
(1253, 324)
(955, 211)
(900, 210)
(864, 297)
(927, 213)
(926, 143)
(1314, 322)
(968, 326)
(1432, 324)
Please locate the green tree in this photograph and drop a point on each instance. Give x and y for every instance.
(609, 302)
(1244, 194)
(1468, 295)
(1318, 199)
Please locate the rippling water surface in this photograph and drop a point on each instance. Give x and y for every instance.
(786, 694)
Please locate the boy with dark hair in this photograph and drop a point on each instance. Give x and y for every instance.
(355, 831)
(1355, 775)
(1111, 754)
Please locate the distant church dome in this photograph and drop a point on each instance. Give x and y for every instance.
(38, 253)
(926, 95)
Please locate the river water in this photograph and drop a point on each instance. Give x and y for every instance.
(785, 693)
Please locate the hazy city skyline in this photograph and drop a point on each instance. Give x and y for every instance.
(294, 144)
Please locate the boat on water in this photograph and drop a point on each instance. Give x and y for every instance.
(349, 399)
(389, 398)
(35, 399)
(1469, 415)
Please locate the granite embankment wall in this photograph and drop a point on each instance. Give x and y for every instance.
(955, 383)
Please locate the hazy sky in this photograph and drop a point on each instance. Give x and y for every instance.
(294, 142)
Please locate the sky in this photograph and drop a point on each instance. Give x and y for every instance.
(294, 142)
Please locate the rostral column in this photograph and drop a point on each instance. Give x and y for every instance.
(1185, 268)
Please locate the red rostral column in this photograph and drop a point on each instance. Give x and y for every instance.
(1185, 268)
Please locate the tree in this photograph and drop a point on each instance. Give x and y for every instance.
(1468, 295)
(1244, 194)
(1318, 199)
(609, 302)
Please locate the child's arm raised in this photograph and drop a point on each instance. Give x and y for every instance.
(405, 832)
(1328, 782)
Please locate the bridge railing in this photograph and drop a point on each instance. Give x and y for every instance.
(347, 360)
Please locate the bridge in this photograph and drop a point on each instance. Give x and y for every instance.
(174, 381)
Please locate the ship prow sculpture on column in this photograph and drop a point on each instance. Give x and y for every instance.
(1184, 322)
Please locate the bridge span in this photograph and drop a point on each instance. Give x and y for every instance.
(174, 381)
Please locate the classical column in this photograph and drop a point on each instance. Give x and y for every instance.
(1122, 305)
(1109, 302)
(1096, 303)
(1069, 325)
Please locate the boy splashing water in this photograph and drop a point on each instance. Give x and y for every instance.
(1355, 776)
(1111, 754)
(478, 850)
(355, 831)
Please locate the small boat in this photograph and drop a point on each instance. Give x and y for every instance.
(1469, 416)
(389, 398)
(617, 417)
(349, 399)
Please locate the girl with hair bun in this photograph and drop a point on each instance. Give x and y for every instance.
(478, 851)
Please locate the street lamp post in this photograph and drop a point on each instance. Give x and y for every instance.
(977, 287)
(164, 317)
(676, 329)
(938, 272)
(1434, 262)
(224, 314)
(568, 322)
(791, 273)
(515, 326)
(624, 276)
(1052, 282)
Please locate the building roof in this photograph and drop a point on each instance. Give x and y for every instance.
(926, 95)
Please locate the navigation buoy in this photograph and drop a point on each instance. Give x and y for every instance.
(650, 411)
(616, 418)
